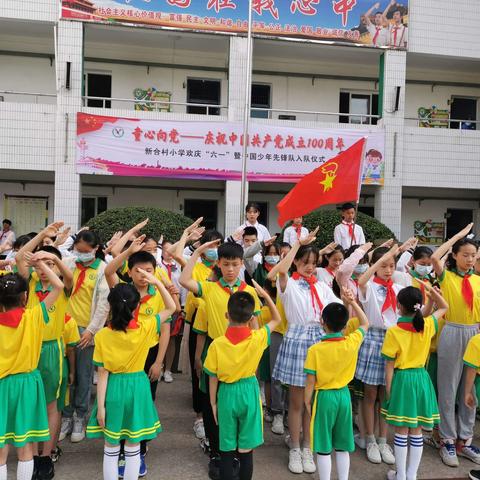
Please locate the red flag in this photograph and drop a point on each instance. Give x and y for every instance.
(336, 181)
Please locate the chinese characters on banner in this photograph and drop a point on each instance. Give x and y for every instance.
(360, 22)
(213, 150)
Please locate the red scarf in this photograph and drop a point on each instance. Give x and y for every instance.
(237, 334)
(467, 290)
(330, 271)
(298, 229)
(168, 266)
(333, 339)
(42, 295)
(374, 41)
(351, 230)
(227, 289)
(12, 318)
(391, 298)
(134, 322)
(407, 326)
(267, 266)
(313, 291)
(81, 277)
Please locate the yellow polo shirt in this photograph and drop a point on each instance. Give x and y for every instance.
(125, 352)
(216, 296)
(409, 349)
(21, 339)
(71, 337)
(80, 302)
(458, 310)
(231, 362)
(56, 313)
(471, 358)
(283, 326)
(201, 272)
(333, 360)
(352, 325)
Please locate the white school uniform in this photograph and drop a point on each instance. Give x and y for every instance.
(262, 231)
(325, 276)
(398, 35)
(380, 35)
(341, 236)
(290, 235)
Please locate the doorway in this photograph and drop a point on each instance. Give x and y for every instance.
(208, 209)
(457, 219)
(463, 109)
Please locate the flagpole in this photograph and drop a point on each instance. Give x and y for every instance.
(246, 118)
(359, 190)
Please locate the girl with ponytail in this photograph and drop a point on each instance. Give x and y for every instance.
(123, 387)
(410, 397)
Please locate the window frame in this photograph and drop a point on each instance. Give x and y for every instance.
(207, 108)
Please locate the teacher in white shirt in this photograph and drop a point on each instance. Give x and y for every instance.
(252, 212)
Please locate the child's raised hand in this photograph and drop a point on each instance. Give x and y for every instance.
(348, 296)
(270, 241)
(237, 234)
(366, 247)
(62, 236)
(52, 229)
(387, 244)
(203, 248)
(195, 234)
(28, 258)
(43, 256)
(147, 275)
(140, 225)
(310, 238)
(137, 244)
(465, 231)
(328, 249)
(194, 225)
(260, 291)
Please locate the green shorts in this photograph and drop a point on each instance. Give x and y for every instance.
(331, 427)
(240, 419)
(62, 400)
(50, 367)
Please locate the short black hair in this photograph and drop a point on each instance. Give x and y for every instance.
(335, 316)
(241, 306)
(250, 231)
(285, 245)
(230, 251)
(252, 206)
(51, 249)
(89, 237)
(347, 206)
(12, 286)
(210, 236)
(422, 252)
(7, 221)
(21, 241)
(141, 257)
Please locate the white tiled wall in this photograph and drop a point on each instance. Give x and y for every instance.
(35, 10)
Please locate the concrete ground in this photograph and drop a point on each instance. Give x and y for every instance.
(176, 454)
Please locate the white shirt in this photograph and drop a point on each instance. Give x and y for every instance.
(325, 276)
(398, 35)
(372, 304)
(175, 278)
(290, 235)
(297, 301)
(341, 236)
(262, 231)
(380, 40)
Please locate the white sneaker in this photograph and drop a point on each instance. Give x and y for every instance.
(359, 441)
(277, 425)
(199, 429)
(373, 453)
(167, 377)
(295, 463)
(307, 461)
(78, 431)
(66, 429)
(288, 441)
(391, 475)
(386, 453)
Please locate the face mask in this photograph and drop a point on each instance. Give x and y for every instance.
(212, 254)
(272, 259)
(84, 257)
(423, 270)
(360, 268)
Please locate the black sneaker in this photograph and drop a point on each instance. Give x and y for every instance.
(474, 474)
(214, 468)
(236, 469)
(45, 470)
(56, 454)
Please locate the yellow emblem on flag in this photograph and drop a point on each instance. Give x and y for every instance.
(330, 172)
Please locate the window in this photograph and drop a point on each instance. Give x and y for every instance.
(98, 85)
(203, 91)
(358, 105)
(92, 206)
(208, 209)
(463, 108)
(367, 210)
(260, 100)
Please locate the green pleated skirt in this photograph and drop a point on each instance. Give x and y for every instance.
(23, 412)
(412, 402)
(130, 413)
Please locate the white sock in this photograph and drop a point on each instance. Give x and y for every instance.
(401, 450)
(324, 465)
(24, 470)
(343, 464)
(110, 462)
(416, 450)
(3, 472)
(132, 462)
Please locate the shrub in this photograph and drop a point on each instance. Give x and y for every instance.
(161, 222)
(375, 231)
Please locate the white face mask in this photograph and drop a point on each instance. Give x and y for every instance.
(360, 269)
(423, 270)
(272, 259)
(84, 257)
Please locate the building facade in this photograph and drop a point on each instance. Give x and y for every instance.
(432, 175)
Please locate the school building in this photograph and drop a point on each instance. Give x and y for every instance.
(53, 68)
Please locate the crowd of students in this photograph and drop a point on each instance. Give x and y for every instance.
(345, 339)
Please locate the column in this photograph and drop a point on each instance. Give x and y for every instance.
(236, 107)
(69, 102)
(388, 200)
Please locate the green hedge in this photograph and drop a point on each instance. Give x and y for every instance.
(375, 231)
(162, 222)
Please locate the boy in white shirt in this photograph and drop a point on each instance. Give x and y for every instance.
(348, 233)
(295, 232)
